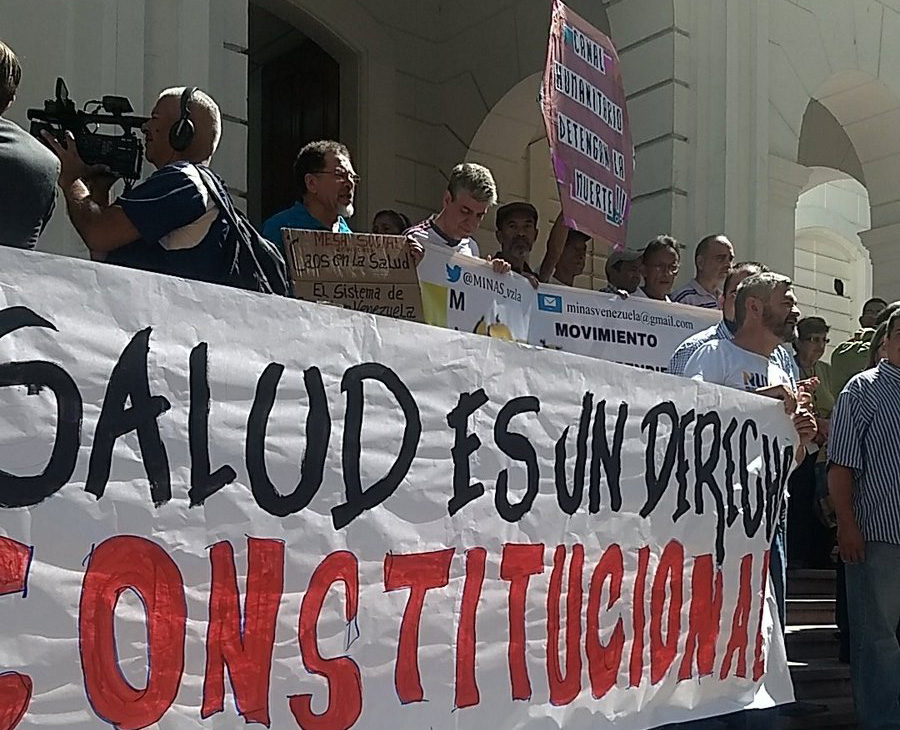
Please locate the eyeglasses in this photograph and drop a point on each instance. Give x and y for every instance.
(670, 268)
(341, 175)
(816, 340)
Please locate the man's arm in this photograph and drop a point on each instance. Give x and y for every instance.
(845, 455)
(556, 242)
(102, 227)
(850, 539)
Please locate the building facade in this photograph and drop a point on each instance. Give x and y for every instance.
(740, 110)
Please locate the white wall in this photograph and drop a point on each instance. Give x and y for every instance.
(829, 218)
(132, 48)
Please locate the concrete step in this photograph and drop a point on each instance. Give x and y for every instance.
(810, 611)
(809, 642)
(840, 715)
(811, 583)
(820, 679)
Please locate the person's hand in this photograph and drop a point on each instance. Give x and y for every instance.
(500, 266)
(532, 279)
(782, 393)
(416, 250)
(824, 426)
(851, 544)
(805, 425)
(72, 167)
(805, 390)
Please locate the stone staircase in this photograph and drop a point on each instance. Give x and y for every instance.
(812, 649)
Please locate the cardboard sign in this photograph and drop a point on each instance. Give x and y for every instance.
(360, 522)
(359, 271)
(583, 103)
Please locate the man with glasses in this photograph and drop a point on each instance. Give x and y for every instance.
(326, 183)
(661, 260)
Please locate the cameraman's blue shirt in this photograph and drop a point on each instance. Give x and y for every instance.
(182, 233)
(297, 216)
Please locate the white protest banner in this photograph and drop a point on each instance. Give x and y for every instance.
(635, 331)
(463, 293)
(218, 507)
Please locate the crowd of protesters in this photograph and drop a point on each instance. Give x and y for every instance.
(845, 489)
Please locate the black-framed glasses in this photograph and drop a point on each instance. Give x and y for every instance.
(816, 339)
(341, 175)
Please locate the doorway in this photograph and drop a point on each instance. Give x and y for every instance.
(293, 98)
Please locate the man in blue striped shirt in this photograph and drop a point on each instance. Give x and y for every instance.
(864, 482)
(726, 328)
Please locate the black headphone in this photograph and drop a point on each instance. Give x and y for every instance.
(181, 134)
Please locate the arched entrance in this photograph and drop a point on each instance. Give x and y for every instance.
(294, 98)
(345, 63)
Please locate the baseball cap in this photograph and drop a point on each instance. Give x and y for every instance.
(518, 206)
(625, 254)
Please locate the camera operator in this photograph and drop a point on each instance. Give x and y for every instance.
(168, 223)
(28, 170)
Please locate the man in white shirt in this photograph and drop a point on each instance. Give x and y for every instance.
(712, 262)
(725, 329)
(766, 315)
(470, 192)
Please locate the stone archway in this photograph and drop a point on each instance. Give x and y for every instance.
(833, 61)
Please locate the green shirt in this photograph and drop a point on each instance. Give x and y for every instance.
(850, 358)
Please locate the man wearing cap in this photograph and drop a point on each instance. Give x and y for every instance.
(516, 233)
(712, 262)
(623, 271)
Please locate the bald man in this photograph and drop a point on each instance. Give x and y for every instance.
(168, 223)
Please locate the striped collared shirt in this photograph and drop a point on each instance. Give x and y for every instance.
(865, 437)
(679, 360)
(695, 295)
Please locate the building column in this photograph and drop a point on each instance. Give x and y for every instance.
(883, 244)
(786, 182)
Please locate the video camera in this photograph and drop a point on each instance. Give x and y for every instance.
(123, 153)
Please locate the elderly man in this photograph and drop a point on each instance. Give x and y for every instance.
(326, 183)
(712, 262)
(169, 223)
(864, 482)
(28, 170)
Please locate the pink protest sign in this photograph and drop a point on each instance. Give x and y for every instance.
(583, 102)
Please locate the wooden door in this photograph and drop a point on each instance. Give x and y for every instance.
(300, 103)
